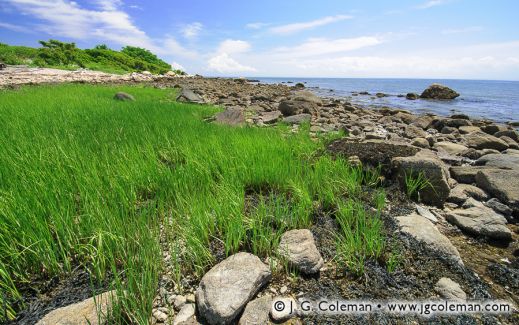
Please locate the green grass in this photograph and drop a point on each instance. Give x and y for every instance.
(86, 181)
(414, 183)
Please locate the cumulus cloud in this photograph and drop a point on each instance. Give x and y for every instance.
(192, 30)
(223, 63)
(177, 66)
(230, 46)
(323, 46)
(297, 27)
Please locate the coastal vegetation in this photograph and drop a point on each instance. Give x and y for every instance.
(62, 55)
(89, 182)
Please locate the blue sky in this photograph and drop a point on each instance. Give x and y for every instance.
(470, 39)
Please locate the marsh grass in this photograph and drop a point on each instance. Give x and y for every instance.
(414, 183)
(87, 181)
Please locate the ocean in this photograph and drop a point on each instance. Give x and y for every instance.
(494, 100)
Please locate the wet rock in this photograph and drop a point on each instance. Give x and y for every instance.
(230, 116)
(437, 91)
(372, 152)
(185, 314)
(481, 140)
(480, 221)
(80, 313)
(493, 128)
(512, 134)
(299, 85)
(297, 119)
(450, 148)
(432, 168)
(298, 247)
(460, 116)
(450, 290)
(502, 184)
(462, 192)
(412, 96)
(283, 314)
(257, 312)
(189, 96)
(423, 230)
(125, 97)
(225, 290)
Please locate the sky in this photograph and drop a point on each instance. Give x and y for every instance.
(460, 39)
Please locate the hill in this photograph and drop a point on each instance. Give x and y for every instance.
(57, 54)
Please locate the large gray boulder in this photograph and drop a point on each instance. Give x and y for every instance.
(88, 311)
(297, 119)
(450, 148)
(230, 116)
(188, 96)
(502, 184)
(482, 140)
(224, 291)
(124, 97)
(298, 247)
(480, 220)
(257, 312)
(501, 161)
(425, 231)
(437, 91)
(301, 102)
(434, 171)
(461, 192)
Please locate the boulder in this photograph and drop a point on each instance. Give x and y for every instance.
(482, 140)
(437, 91)
(185, 314)
(426, 213)
(372, 152)
(85, 312)
(301, 102)
(412, 96)
(457, 122)
(460, 116)
(298, 247)
(450, 148)
(224, 291)
(502, 184)
(432, 168)
(499, 161)
(493, 128)
(450, 290)
(125, 97)
(188, 96)
(462, 192)
(231, 116)
(480, 220)
(423, 230)
(510, 142)
(499, 207)
(421, 143)
(423, 122)
(297, 119)
(508, 133)
(412, 131)
(270, 117)
(468, 129)
(257, 312)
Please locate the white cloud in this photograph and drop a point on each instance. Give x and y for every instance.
(15, 28)
(297, 27)
(192, 30)
(231, 46)
(257, 25)
(177, 66)
(109, 5)
(432, 3)
(223, 63)
(171, 46)
(323, 46)
(471, 29)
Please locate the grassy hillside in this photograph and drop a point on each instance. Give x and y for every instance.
(62, 55)
(89, 183)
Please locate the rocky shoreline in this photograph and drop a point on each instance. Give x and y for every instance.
(460, 241)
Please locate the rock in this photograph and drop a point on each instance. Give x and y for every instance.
(189, 96)
(448, 130)
(406, 117)
(297, 119)
(450, 148)
(499, 207)
(224, 291)
(124, 97)
(412, 131)
(480, 220)
(512, 134)
(420, 143)
(298, 247)
(457, 122)
(299, 85)
(179, 302)
(301, 102)
(380, 95)
(423, 230)
(372, 152)
(468, 129)
(412, 96)
(437, 91)
(460, 116)
(462, 192)
(466, 174)
(283, 308)
(257, 312)
(481, 140)
(188, 311)
(424, 212)
(493, 128)
(502, 184)
(450, 290)
(230, 116)
(2, 66)
(423, 122)
(270, 117)
(499, 161)
(159, 315)
(471, 153)
(511, 142)
(81, 313)
(432, 168)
